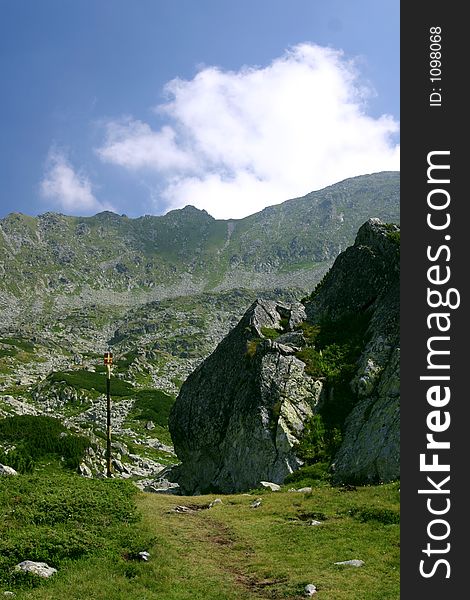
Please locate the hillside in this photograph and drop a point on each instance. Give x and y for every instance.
(161, 292)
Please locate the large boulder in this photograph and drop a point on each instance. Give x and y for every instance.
(240, 414)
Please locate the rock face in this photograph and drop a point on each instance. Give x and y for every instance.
(365, 280)
(240, 413)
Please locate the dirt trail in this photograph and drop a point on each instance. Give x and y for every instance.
(229, 554)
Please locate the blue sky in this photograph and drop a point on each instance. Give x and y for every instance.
(146, 105)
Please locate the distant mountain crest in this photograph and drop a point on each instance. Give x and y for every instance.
(289, 245)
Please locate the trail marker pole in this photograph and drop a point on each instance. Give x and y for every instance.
(108, 361)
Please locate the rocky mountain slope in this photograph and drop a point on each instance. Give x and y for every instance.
(57, 263)
(161, 292)
(313, 376)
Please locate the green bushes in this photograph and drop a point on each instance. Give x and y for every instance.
(319, 441)
(386, 516)
(394, 236)
(270, 333)
(332, 350)
(18, 459)
(36, 437)
(88, 380)
(309, 474)
(152, 405)
(21, 344)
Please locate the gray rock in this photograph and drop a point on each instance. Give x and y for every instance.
(120, 447)
(352, 563)
(150, 425)
(37, 568)
(256, 503)
(158, 486)
(310, 590)
(144, 555)
(6, 470)
(239, 415)
(8, 593)
(182, 509)
(314, 523)
(84, 470)
(214, 502)
(305, 490)
(295, 339)
(120, 467)
(274, 487)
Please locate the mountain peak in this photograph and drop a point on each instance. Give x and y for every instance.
(190, 210)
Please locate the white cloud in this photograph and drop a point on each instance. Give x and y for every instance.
(71, 192)
(236, 142)
(133, 144)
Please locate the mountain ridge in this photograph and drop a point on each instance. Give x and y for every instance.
(57, 255)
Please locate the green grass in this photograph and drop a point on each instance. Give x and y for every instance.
(152, 405)
(60, 518)
(229, 552)
(270, 333)
(8, 352)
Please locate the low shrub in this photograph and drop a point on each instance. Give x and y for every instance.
(35, 437)
(251, 347)
(332, 350)
(152, 405)
(270, 333)
(88, 380)
(386, 516)
(317, 472)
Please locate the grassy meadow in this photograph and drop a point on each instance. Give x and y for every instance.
(92, 531)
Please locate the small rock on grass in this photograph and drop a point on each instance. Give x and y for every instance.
(144, 555)
(182, 509)
(256, 503)
(40, 569)
(310, 589)
(216, 501)
(270, 486)
(352, 563)
(6, 470)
